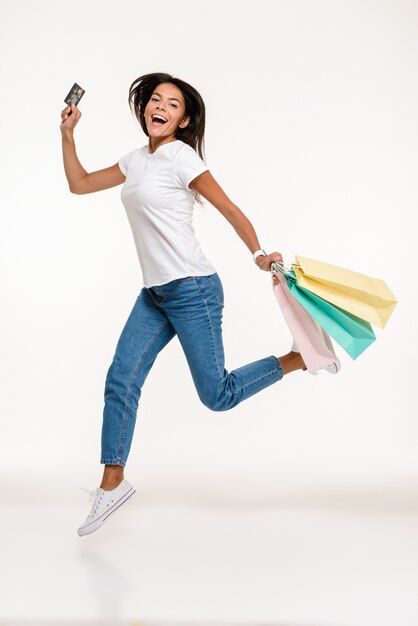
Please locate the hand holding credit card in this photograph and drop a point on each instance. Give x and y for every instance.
(71, 114)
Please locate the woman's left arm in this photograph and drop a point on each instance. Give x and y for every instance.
(207, 186)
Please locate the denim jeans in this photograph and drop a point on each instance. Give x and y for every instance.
(190, 308)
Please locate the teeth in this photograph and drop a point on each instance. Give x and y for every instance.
(159, 117)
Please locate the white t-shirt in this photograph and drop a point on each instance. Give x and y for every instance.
(159, 205)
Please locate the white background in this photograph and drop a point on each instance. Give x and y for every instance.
(312, 132)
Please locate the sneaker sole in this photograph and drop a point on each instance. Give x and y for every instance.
(98, 523)
(333, 368)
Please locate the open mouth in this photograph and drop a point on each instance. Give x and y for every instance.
(158, 120)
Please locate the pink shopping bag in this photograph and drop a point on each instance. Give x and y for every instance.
(308, 335)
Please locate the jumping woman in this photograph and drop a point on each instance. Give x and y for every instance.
(182, 293)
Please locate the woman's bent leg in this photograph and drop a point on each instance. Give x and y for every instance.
(146, 332)
(194, 307)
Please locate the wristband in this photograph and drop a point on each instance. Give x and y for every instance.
(258, 253)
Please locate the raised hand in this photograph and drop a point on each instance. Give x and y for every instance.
(69, 116)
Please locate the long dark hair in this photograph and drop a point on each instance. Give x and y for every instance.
(140, 93)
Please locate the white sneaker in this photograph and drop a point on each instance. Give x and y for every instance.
(105, 503)
(332, 368)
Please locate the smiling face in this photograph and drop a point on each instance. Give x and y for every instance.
(166, 102)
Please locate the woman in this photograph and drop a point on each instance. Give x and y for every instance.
(182, 293)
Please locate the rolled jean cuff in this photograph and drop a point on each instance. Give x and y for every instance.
(278, 364)
(113, 462)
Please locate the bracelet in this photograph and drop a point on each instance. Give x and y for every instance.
(258, 253)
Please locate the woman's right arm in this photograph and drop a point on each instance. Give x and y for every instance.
(80, 181)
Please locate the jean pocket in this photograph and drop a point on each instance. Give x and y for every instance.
(217, 288)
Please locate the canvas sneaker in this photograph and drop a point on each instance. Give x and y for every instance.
(332, 368)
(105, 502)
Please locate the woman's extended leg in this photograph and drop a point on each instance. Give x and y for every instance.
(144, 335)
(194, 307)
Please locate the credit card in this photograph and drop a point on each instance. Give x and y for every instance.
(74, 95)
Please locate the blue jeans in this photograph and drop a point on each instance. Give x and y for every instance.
(190, 308)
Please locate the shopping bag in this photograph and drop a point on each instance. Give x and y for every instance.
(365, 297)
(308, 335)
(353, 334)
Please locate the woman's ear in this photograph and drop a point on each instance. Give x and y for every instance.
(185, 122)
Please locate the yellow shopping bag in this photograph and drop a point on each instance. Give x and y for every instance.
(368, 298)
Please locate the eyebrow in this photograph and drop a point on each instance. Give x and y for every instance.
(158, 94)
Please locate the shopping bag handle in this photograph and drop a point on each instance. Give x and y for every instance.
(282, 267)
(279, 266)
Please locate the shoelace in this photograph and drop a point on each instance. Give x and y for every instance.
(95, 496)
